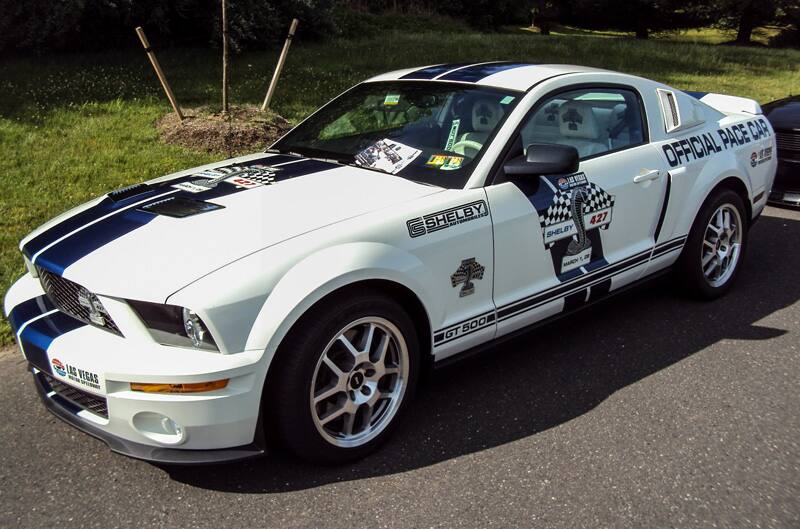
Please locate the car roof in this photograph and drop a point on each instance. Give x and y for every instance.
(499, 74)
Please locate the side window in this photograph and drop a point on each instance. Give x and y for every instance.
(593, 120)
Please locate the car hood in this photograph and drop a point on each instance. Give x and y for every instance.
(149, 240)
(784, 114)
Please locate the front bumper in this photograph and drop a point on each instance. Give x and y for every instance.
(68, 412)
(93, 369)
(786, 189)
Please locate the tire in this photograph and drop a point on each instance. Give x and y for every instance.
(306, 371)
(703, 272)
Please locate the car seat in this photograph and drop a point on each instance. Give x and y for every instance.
(579, 128)
(486, 114)
(619, 133)
(543, 127)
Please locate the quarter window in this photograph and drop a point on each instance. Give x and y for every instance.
(594, 121)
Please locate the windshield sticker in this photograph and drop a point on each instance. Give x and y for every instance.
(506, 100)
(452, 163)
(387, 155)
(391, 99)
(445, 162)
(451, 138)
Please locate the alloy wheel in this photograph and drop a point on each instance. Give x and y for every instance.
(359, 382)
(721, 245)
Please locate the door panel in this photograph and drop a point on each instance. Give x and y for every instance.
(565, 240)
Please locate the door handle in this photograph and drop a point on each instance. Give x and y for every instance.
(647, 175)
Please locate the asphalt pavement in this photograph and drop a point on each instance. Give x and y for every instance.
(648, 410)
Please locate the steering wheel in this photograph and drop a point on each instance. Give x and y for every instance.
(459, 147)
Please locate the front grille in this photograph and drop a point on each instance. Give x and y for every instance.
(64, 295)
(80, 398)
(788, 141)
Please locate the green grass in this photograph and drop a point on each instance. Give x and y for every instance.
(710, 35)
(74, 126)
(717, 35)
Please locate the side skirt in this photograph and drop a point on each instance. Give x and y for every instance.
(491, 344)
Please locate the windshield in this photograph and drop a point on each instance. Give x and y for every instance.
(425, 131)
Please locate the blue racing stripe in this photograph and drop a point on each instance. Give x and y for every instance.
(58, 257)
(432, 71)
(36, 338)
(37, 357)
(108, 205)
(83, 218)
(77, 246)
(301, 168)
(696, 95)
(27, 310)
(473, 74)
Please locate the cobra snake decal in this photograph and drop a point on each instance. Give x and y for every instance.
(581, 242)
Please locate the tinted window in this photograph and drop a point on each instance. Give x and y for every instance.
(592, 120)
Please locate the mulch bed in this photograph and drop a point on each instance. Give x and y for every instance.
(243, 130)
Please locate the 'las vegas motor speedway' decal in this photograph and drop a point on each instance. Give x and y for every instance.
(571, 209)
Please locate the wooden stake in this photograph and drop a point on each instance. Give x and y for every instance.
(157, 67)
(279, 67)
(224, 57)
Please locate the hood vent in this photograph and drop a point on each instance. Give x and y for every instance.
(128, 192)
(179, 207)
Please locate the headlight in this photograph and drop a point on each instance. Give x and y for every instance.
(174, 325)
(194, 327)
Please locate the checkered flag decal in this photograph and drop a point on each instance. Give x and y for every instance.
(559, 210)
(598, 199)
(263, 174)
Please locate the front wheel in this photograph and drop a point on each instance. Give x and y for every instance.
(715, 247)
(343, 378)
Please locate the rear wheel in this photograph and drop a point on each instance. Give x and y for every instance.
(344, 377)
(714, 250)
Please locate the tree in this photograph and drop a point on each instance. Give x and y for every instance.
(543, 12)
(638, 16)
(486, 14)
(745, 15)
(106, 24)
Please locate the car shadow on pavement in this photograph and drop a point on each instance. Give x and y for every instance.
(551, 375)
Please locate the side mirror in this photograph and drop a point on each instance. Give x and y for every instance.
(544, 158)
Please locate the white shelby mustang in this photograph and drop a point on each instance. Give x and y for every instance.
(297, 294)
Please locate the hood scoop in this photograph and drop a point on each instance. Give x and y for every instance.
(179, 207)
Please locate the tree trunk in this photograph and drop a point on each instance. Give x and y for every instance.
(540, 17)
(544, 26)
(224, 57)
(747, 22)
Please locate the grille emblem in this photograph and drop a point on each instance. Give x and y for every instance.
(97, 313)
(76, 301)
